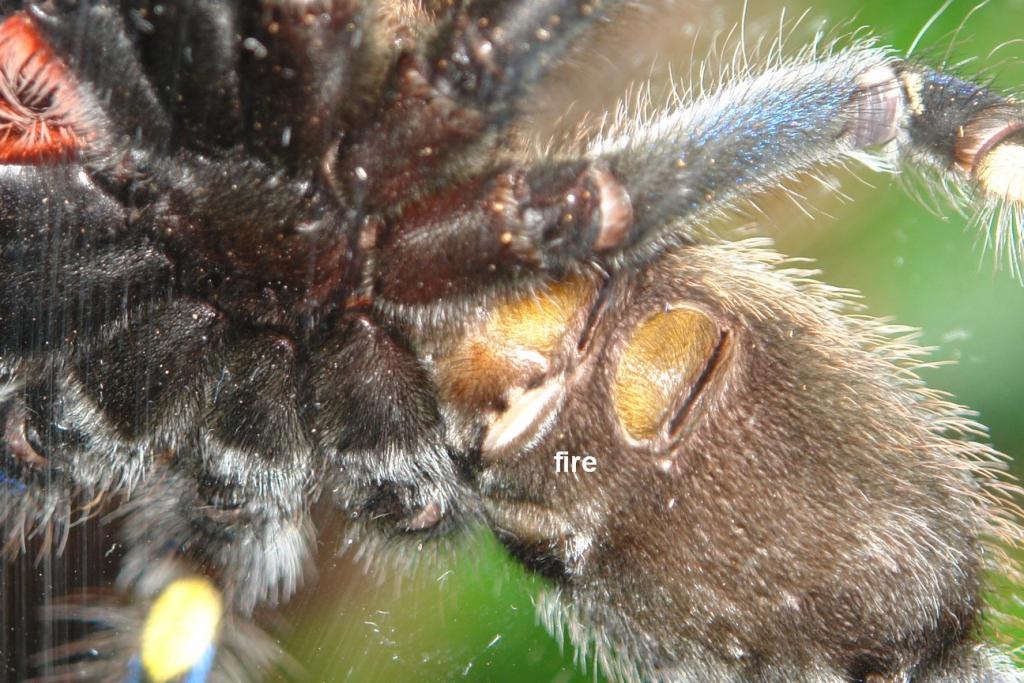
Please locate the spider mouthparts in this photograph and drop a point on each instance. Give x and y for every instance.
(427, 518)
(664, 365)
(525, 412)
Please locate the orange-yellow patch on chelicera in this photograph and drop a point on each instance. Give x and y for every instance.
(660, 364)
(538, 321)
(515, 343)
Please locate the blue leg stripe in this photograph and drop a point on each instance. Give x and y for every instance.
(201, 670)
(134, 671)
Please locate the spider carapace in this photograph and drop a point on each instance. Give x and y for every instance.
(258, 255)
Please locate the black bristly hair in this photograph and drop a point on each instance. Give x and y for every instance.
(258, 255)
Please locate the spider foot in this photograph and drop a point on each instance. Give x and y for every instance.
(178, 629)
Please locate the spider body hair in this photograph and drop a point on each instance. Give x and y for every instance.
(284, 253)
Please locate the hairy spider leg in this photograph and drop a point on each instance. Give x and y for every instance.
(658, 182)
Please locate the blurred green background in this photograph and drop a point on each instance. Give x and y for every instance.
(468, 614)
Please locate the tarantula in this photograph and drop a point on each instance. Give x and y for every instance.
(257, 255)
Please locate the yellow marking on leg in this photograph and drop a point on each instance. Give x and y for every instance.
(181, 626)
(1001, 171)
(514, 346)
(661, 363)
(538, 322)
(913, 84)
